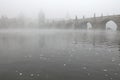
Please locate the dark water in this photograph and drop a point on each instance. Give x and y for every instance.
(59, 55)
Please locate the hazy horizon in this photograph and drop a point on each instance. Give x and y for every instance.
(59, 8)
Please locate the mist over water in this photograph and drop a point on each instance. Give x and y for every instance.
(59, 40)
(59, 55)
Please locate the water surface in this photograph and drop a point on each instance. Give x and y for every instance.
(59, 55)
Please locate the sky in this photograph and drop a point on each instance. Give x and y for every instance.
(59, 8)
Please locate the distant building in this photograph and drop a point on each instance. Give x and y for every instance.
(41, 18)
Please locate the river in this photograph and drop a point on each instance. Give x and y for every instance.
(59, 55)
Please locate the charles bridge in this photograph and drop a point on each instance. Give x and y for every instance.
(96, 22)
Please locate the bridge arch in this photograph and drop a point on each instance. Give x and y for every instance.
(89, 25)
(111, 25)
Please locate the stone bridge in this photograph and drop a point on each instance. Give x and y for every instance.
(97, 22)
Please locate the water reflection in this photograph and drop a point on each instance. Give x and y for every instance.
(60, 55)
(119, 48)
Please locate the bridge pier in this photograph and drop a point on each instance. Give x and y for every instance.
(99, 26)
(83, 26)
(118, 27)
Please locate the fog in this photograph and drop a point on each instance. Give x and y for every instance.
(56, 55)
(55, 9)
(59, 40)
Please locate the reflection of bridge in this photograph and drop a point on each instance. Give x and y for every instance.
(97, 22)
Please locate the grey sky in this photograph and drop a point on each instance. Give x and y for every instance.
(59, 8)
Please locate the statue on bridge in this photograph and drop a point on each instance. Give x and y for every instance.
(76, 22)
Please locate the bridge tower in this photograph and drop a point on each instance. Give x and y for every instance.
(102, 15)
(76, 18)
(94, 15)
(83, 17)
